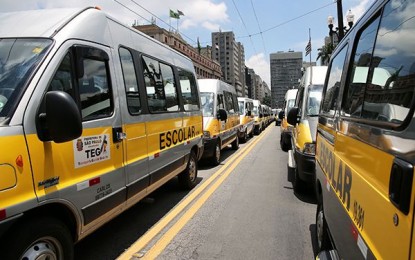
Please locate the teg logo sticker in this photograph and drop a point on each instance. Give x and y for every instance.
(91, 149)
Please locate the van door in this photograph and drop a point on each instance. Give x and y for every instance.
(165, 131)
(86, 173)
(134, 119)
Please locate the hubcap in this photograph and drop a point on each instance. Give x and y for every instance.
(44, 249)
(217, 153)
(319, 226)
(192, 169)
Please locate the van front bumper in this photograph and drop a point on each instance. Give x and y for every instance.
(306, 166)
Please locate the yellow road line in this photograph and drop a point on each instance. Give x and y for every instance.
(157, 228)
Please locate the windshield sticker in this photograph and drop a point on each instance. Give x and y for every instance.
(91, 149)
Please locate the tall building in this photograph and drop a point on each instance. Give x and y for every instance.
(285, 74)
(231, 56)
(205, 66)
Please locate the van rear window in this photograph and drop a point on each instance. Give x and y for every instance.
(19, 58)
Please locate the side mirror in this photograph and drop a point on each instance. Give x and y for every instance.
(62, 121)
(248, 113)
(281, 114)
(261, 115)
(222, 115)
(292, 117)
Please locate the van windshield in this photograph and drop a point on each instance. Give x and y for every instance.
(207, 103)
(19, 58)
(314, 99)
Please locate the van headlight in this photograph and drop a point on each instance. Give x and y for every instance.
(309, 148)
(206, 134)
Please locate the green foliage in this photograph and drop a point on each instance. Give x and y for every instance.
(324, 53)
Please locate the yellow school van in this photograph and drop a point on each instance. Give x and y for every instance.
(220, 118)
(94, 116)
(365, 146)
(258, 117)
(246, 118)
(304, 117)
(285, 127)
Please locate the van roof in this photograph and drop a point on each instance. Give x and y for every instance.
(36, 23)
(291, 94)
(315, 75)
(214, 85)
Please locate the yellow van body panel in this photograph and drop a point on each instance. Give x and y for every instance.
(16, 184)
(302, 135)
(136, 137)
(49, 160)
(244, 120)
(362, 187)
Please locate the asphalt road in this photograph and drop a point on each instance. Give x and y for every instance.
(252, 214)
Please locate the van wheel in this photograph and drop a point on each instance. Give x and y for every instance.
(45, 238)
(245, 137)
(283, 145)
(187, 178)
(251, 134)
(298, 184)
(235, 144)
(215, 159)
(322, 235)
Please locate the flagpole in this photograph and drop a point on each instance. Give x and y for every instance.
(309, 37)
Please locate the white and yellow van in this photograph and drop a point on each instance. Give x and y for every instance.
(304, 117)
(246, 118)
(258, 117)
(94, 116)
(220, 118)
(365, 148)
(285, 127)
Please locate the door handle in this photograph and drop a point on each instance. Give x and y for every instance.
(400, 184)
(118, 135)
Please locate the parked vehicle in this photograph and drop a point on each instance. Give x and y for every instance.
(285, 128)
(220, 118)
(258, 117)
(365, 148)
(304, 117)
(276, 112)
(246, 118)
(94, 116)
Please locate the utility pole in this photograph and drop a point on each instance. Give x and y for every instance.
(340, 19)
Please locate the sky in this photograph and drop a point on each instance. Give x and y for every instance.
(262, 26)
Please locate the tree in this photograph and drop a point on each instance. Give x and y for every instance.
(324, 53)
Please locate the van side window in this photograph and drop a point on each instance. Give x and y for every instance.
(354, 91)
(63, 79)
(160, 86)
(235, 103)
(95, 95)
(130, 81)
(332, 90)
(188, 87)
(390, 87)
(229, 102)
(220, 104)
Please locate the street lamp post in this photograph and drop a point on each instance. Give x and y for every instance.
(341, 30)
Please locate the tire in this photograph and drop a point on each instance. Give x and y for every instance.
(251, 134)
(188, 177)
(245, 137)
(298, 184)
(215, 159)
(44, 238)
(322, 234)
(283, 145)
(235, 144)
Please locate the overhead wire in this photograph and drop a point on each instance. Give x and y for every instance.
(246, 28)
(240, 37)
(260, 30)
